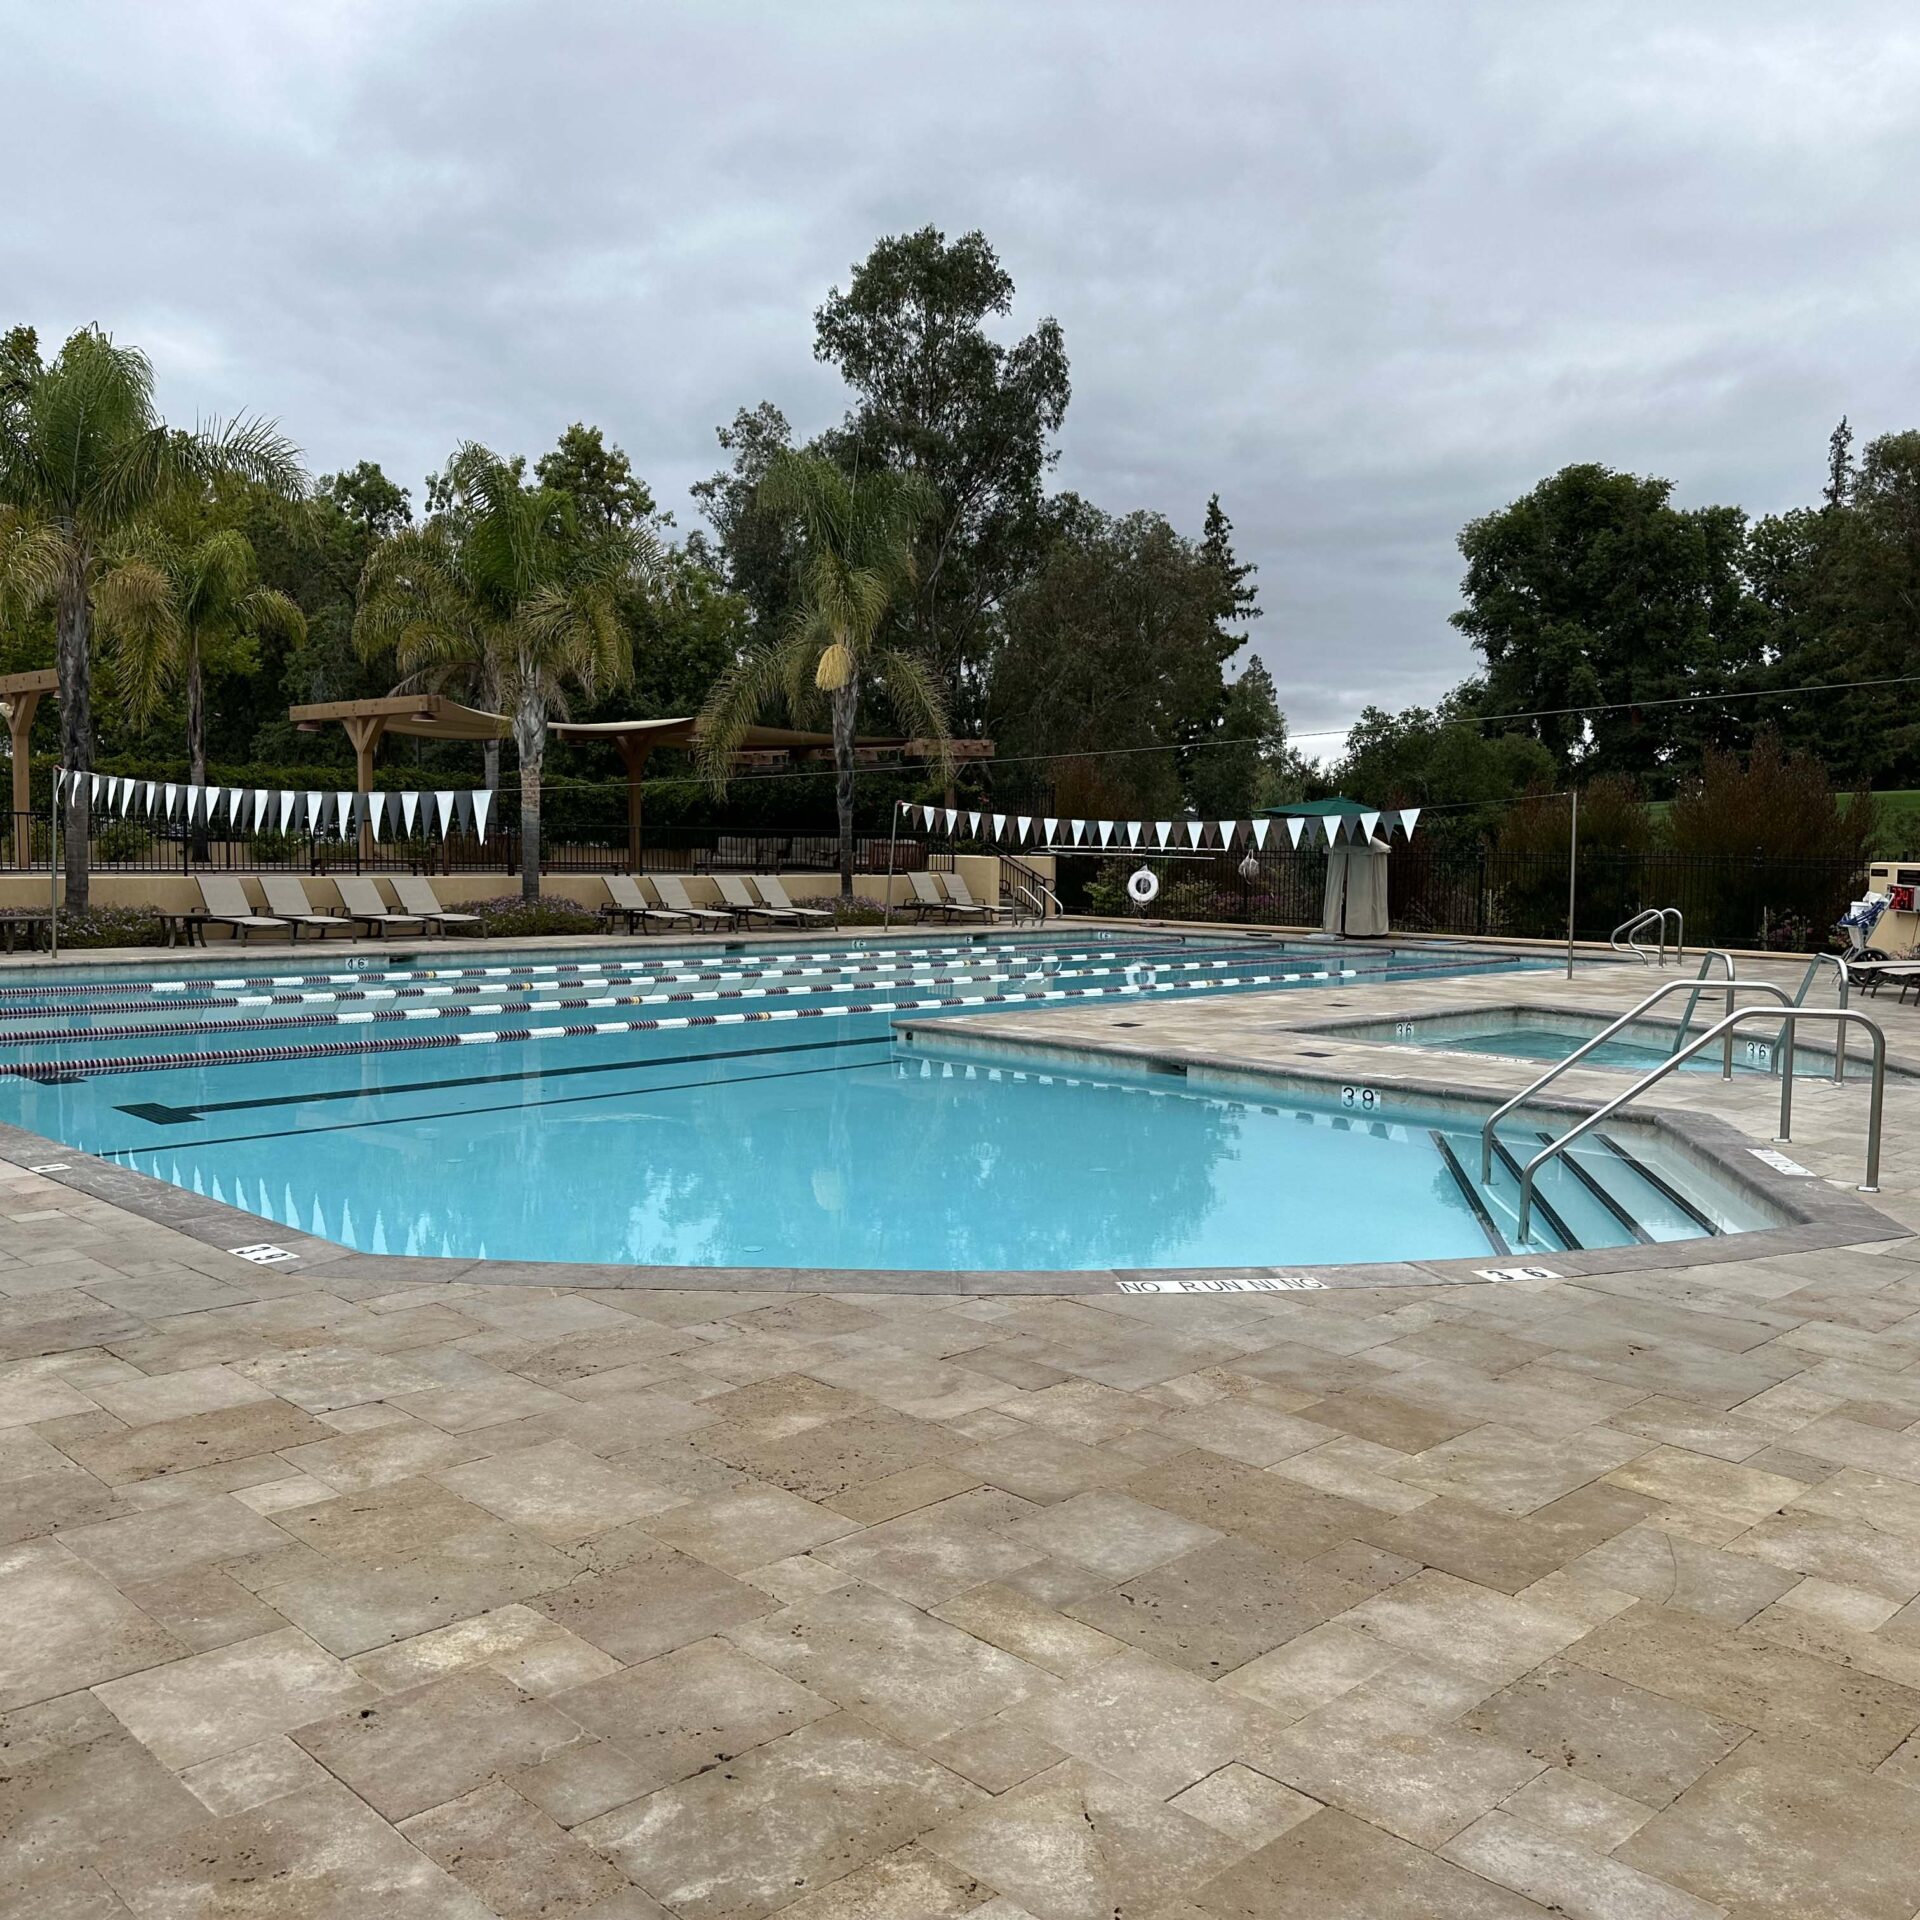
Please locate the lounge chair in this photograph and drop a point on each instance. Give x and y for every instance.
(673, 890)
(624, 897)
(775, 895)
(415, 893)
(287, 896)
(961, 899)
(927, 898)
(735, 892)
(225, 900)
(361, 898)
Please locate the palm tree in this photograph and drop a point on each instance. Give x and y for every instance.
(857, 531)
(169, 605)
(83, 459)
(508, 587)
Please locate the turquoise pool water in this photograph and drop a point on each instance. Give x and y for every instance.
(1512, 1033)
(745, 1109)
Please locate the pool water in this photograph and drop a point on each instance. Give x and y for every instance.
(1521, 1033)
(757, 1108)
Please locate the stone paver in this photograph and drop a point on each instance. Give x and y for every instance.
(338, 1590)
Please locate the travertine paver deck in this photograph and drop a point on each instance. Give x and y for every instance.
(333, 1593)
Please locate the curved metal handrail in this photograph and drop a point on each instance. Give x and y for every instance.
(1693, 1000)
(1606, 1033)
(1633, 926)
(1643, 918)
(1842, 1016)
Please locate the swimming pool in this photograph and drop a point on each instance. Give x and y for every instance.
(1549, 1034)
(755, 1107)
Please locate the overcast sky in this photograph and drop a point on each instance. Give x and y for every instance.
(1365, 269)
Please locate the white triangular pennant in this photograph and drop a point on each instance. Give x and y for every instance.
(953, 817)
(345, 821)
(482, 802)
(1024, 826)
(1194, 830)
(236, 804)
(261, 800)
(59, 781)
(409, 807)
(152, 787)
(1048, 828)
(1261, 828)
(1163, 828)
(973, 825)
(999, 826)
(1106, 832)
(288, 801)
(93, 790)
(1408, 815)
(1331, 827)
(443, 807)
(1227, 830)
(926, 819)
(1074, 830)
(1133, 833)
(1296, 826)
(1368, 821)
(316, 812)
(126, 797)
(169, 793)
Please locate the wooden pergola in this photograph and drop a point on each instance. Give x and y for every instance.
(22, 694)
(432, 716)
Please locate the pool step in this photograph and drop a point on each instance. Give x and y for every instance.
(1697, 1221)
(1615, 1207)
(1543, 1206)
(1468, 1191)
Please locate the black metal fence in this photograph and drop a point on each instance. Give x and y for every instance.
(131, 846)
(1435, 888)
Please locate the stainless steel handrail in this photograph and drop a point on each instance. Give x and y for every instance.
(1606, 1033)
(1842, 1016)
(1633, 926)
(1641, 919)
(1693, 1000)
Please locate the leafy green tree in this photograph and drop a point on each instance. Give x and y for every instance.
(1442, 757)
(600, 481)
(176, 604)
(1839, 588)
(758, 548)
(506, 584)
(1243, 760)
(1111, 670)
(84, 458)
(938, 396)
(368, 498)
(1594, 589)
(857, 533)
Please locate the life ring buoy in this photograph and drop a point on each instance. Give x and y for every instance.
(1143, 886)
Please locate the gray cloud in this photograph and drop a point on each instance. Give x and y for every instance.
(1367, 269)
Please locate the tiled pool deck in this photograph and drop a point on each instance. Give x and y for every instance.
(333, 1591)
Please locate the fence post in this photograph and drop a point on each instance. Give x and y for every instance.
(1573, 859)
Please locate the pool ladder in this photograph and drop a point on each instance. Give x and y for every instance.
(1843, 1017)
(1622, 940)
(1695, 988)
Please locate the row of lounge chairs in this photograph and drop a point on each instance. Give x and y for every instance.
(289, 909)
(639, 900)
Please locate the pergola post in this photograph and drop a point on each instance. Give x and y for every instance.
(636, 753)
(364, 731)
(19, 733)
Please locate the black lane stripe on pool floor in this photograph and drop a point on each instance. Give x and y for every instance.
(165, 1116)
(130, 1156)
